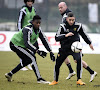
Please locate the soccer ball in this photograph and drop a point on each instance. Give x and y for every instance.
(76, 47)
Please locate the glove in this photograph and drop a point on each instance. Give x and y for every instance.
(41, 53)
(52, 56)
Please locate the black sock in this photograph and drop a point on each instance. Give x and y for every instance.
(10, 74)
(90, 70)
(70, 68)
(79, 68)
(17, 68)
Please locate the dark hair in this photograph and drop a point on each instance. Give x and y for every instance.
(36, 17)
(70, 14)
(28, 0)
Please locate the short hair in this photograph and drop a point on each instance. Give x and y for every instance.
(25, 1)
(70, 14)
(36, 17)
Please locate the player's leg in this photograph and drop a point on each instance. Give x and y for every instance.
(92, 73)
(71, 72)
(85, 65)
(10, 74)
(30, 56)
(24, 68)
(37, 46)
(78, 58)
(60, 59)
(19, 66)
(29, 66)
(27, 58)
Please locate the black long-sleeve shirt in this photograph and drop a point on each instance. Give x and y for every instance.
(27, 32)
(76, 29)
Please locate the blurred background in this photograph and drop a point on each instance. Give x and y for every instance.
(86, 12)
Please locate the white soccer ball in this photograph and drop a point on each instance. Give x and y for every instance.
(76, 47)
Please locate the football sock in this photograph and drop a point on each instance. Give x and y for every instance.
(17, 68)
(70, 68)
(79, 69)
(10, 73)
(90, 70)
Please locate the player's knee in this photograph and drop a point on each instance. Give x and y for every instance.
(67, 61)
(75, 61)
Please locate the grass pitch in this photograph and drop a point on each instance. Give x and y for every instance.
(26, 80)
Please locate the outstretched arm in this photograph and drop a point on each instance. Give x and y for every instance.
(46, 44)
(85, 37)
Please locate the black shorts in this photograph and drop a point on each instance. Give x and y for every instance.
(64, 54)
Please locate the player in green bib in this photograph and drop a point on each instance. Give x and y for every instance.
(26, 14)
(22, 44)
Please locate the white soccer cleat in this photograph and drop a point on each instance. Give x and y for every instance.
(29, 67)
(9, 78)
(43, 81)
(92, 76)
(24, 69)
(70, 75)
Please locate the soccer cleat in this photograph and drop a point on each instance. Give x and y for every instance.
(70, 75)
(9, 78)
(41, 80)
(79, 82)
(53, 83)
(29, 67)
(24, 69)
(92, 76)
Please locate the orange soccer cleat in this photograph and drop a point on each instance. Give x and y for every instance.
(53, 83)
(79, 82)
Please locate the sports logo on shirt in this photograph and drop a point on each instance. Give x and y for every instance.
(67, 30)
(74, 29)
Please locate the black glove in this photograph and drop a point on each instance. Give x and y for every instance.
(52, 56)
(41, 53)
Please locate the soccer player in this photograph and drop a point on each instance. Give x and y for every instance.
(63, 9)
(22, 44)
(26, 14)
(68, 33)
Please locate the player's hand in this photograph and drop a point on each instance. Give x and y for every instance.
(41, 53)
(69, 34)
(52, 56)
(91, 46)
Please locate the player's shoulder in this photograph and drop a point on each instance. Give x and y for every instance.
(62, 24)
(23, 9)
(65, 15)
(34, 8)
(78, 24)
(28, 28)
(66, 12)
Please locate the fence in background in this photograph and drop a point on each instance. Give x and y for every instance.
(51, 18)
